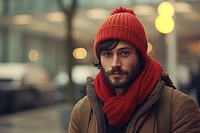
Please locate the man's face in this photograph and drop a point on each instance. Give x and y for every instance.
(120, 65)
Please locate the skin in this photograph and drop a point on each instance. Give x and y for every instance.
(120, 66)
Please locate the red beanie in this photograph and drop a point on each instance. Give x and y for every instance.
(123, 25)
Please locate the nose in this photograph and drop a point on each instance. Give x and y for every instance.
(116, 62)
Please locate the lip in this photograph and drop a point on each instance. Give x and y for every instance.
(117, 75)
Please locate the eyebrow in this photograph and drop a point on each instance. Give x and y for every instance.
(126, 48)
(121, 49)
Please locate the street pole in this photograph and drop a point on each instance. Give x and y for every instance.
(69, 13)
(172, 52)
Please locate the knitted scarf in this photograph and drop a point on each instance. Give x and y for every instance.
(120, 108)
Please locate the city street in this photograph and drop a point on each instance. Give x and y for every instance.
(51, 119)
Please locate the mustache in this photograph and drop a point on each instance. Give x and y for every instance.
(117, 70)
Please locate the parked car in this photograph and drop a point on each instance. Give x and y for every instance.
(24, 86)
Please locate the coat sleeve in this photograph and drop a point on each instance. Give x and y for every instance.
(185, 114)
(74, 123)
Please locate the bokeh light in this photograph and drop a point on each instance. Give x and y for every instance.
(166, 9)
(164, 23)
(79, 53)
(33, 55)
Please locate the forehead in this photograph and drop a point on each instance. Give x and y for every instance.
(123, 44)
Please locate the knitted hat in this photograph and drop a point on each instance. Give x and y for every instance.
(123, 25)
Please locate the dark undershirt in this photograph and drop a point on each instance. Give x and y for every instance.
(111, 129)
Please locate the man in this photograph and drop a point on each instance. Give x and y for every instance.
(127, 94)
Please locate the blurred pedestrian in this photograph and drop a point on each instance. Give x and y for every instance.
(131, 89)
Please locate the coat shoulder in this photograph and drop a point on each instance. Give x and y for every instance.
(82, 102)
(82, 107)
(79, 116)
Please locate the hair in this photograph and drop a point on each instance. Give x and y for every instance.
(109, 45)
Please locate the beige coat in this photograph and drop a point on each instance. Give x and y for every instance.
(185, 114)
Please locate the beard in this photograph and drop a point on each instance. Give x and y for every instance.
(118, 82)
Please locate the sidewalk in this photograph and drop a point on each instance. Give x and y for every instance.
(52, 119)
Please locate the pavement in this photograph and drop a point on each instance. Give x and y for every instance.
(51, 119)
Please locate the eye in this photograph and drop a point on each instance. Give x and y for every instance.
(107, 54)
(125, 53)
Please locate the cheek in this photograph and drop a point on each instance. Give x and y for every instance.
(131, 64)
(105, 64)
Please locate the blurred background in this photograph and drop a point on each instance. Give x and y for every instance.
(46, 54)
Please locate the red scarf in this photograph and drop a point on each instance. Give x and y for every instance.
(119, 109)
